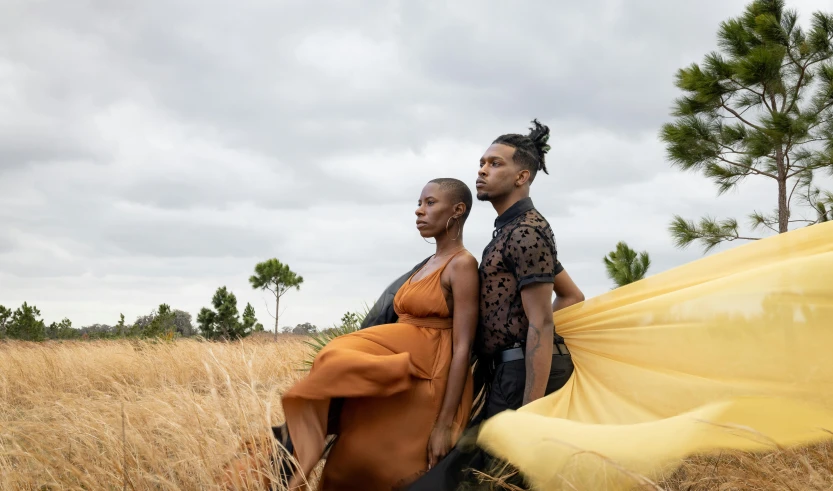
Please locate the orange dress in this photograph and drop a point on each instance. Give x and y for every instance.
(393, 378)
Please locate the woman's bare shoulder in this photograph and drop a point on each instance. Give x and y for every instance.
(463, 263)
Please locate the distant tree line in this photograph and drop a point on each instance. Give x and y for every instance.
(25, 323)
(222, 322)
(304, 329)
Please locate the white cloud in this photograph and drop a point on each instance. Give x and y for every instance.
(150, 154)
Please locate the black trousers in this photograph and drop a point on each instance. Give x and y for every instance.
(505, 390)
(507, 387)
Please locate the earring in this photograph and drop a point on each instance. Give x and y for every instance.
(456, 220)
(426, 240)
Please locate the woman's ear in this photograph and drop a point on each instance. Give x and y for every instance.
(459, 210)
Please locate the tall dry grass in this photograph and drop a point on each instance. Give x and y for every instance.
(796, 469)
(800, 469)
(133, 414)
(168, 416)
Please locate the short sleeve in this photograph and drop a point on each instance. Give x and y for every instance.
(532, 256)
(558, 267)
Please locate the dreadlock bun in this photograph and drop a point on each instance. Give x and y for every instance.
(540, 134)
(529, 149)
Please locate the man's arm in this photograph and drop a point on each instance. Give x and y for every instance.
(534, 262)
(539, 339)
(566, 292)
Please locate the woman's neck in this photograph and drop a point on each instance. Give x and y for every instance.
(447, 246)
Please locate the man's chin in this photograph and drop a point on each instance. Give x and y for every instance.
(484, 197)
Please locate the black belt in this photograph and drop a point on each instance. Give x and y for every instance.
(512, 354)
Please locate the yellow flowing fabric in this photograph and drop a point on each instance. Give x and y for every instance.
(732, 351)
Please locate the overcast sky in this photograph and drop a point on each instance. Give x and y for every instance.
(151, 152)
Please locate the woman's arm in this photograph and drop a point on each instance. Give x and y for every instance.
(465, 291)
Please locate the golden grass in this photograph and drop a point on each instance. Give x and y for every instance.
(168, 416)
(136, 415)
(798, 469)
(801, 469)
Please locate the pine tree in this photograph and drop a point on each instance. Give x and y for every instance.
(120, 328)
(162, 322)
(26, 325)
(762, 107)
(62, 330)
(250, 322)
(5, 316)
(276, 277)
(625, 266)
(224, 321)
(206, 321)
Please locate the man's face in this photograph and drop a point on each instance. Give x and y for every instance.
(498, 173)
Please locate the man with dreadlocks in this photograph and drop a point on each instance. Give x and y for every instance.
(519, 356)
(515, 342)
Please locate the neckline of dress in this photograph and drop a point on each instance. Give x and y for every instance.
(432, 273)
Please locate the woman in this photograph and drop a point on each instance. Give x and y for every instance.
(404, 389)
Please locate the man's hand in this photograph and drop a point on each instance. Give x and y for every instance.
(536, 301)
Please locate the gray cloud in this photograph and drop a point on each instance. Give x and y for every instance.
(152, 153)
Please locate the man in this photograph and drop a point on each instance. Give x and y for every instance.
(519, 270)
(519, 356)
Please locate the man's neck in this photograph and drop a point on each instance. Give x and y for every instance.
(504, 203)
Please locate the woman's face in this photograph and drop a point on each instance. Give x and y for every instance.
(434, 210)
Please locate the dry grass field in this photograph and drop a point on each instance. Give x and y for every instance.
(135, 415)
(168, 416)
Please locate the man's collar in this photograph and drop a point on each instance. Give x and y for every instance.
(514, 211)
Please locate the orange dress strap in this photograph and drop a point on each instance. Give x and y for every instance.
(422, 302)
(438, 270)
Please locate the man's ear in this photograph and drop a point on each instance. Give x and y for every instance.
(522, 178)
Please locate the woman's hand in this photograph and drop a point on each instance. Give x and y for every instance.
(439, 444)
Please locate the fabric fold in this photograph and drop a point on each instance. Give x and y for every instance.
(727, 338)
